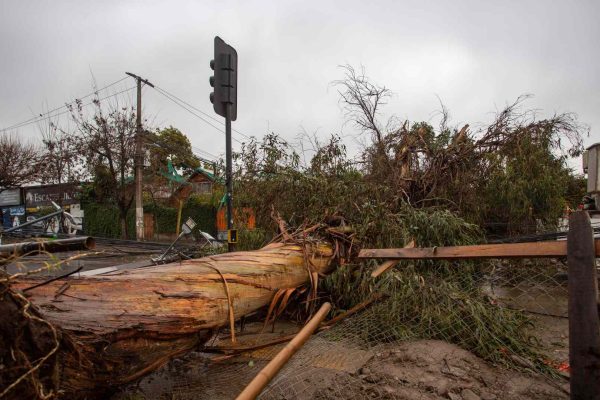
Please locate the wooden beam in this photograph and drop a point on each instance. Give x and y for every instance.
(549, 249)
(584, 326)
(260, 381)
(388, 264)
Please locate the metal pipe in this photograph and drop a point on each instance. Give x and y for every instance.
(256, 386)
(163, 255)
(228, 174)
(48, 246)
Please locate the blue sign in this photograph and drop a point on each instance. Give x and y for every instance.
(6, 220)
(19, 210)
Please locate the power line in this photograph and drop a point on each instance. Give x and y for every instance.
(199, 150)
(199, 110)
(193, 113)
(66, 111)
(31, 120)
(175, 150)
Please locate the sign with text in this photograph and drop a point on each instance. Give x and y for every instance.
(19, 210)
(10, 197)
(42, 196)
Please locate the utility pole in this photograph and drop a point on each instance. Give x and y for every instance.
(139, 160)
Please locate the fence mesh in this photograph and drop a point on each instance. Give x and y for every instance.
(446, 341)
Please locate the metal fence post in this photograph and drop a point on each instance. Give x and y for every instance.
(584, 325)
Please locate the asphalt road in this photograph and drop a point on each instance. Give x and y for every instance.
(106, 254)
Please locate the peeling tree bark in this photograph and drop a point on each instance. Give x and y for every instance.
(120, 326)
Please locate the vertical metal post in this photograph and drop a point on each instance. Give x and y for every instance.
(139, 207)
(584, 324)
(228, 172)
(212, 187)
(178, 227)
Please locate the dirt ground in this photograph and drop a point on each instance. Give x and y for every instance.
(323, 370)
(424, 369)
(437, 370)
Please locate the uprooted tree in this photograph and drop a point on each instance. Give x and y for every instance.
(438, 186)
(83, 337)
(411, 182)
(511, 174)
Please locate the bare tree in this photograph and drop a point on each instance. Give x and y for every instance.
(361, 100)
(107, 144)
(513, 171)
(18, 162)
(61, 157)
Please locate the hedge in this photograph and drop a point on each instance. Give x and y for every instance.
(103, 220)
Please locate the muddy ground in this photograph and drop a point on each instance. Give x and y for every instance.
(323, 370)
(437, 370)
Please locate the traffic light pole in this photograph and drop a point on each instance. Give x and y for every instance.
(224, 100)
(228, 172)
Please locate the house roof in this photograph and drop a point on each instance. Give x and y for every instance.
(172, 175)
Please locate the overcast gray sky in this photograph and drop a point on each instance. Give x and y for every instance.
(475, 55)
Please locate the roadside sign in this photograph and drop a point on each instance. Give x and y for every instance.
(10, 197)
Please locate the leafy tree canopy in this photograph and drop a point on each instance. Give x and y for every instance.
(170, 144)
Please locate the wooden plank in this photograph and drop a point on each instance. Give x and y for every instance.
(266, 375)
(584, 325)
(548, 249)
(389, 264)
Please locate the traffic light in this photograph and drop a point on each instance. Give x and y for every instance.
(224, 80)
(232, 236)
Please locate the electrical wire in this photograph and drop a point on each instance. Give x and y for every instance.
(206, 156)
(194, 114)
(68, 111)
(174, 150)
(199, 150)
(40, 117)
(199, 110)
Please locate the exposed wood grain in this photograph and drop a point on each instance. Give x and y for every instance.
(127, 323)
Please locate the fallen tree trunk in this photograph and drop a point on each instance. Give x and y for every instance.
(112, 329)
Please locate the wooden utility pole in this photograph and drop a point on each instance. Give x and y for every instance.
(584, 324)
(139, 160)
